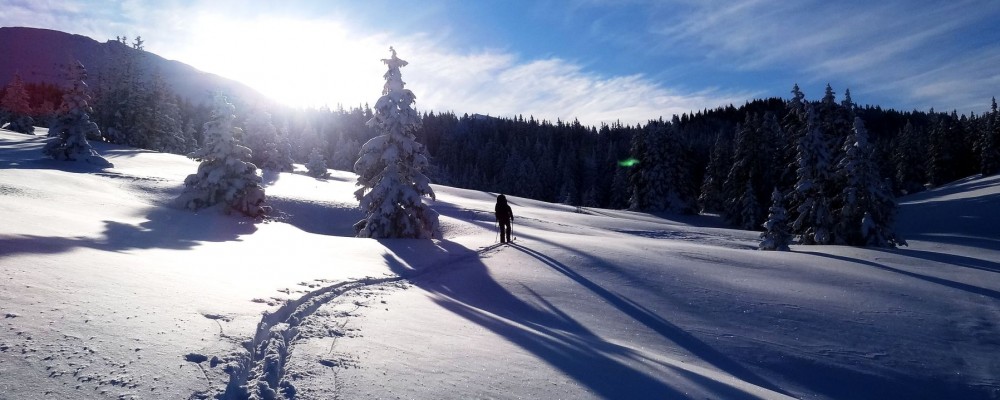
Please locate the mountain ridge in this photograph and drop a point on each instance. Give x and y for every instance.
(40, 55)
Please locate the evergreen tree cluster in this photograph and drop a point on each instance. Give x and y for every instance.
(837, 165)
(142, 113)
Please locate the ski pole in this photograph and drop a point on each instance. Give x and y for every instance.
(512, 229)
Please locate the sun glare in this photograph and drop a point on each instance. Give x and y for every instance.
(300, 63)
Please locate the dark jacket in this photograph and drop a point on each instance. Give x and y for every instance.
(503, 211)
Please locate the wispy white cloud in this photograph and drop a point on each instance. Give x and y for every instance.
(871, 47)
(900, 52)
(501, 84)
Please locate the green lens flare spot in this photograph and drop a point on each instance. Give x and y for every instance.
(631, 162)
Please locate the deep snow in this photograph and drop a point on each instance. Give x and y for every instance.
(106, 291)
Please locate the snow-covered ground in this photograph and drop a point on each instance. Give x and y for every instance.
(106, 291)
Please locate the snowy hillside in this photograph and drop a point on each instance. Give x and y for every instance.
(106, 291)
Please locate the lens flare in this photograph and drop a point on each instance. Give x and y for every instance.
(631, 162)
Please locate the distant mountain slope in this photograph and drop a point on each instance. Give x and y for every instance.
(40, 55)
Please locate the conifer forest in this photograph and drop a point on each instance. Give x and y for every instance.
(836, 164)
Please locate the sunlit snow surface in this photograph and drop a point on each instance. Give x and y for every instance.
(106, 291)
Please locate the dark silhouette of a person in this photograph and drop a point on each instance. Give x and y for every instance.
(504, 217)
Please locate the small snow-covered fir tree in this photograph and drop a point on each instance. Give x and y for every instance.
(390, 167)
(776, 235)
(68, 135)
(225, 175)
(317, 164)
(14, 108)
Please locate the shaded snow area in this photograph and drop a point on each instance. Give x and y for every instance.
(108, 291)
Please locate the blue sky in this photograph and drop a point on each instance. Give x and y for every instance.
(595, 60)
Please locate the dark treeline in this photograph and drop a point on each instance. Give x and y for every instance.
(726, 160)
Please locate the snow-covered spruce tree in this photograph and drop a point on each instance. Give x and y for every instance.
(390, 167)
(776, 235)
(317, 164)
(262, 139)
(279, 156)
(865, 196)
(225, 175)
(745, 171)
(14, 108)
(809, 196)
(68, 134)
(793, 127)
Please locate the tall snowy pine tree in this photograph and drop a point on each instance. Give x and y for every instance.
(390, 167)
(225, 174)
(68, 135)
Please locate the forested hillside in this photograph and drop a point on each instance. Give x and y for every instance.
(726, 160)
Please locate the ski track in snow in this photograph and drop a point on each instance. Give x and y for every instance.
(262, 371)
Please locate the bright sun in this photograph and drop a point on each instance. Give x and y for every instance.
(295, 62)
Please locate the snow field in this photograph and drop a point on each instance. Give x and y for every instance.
(106, 292)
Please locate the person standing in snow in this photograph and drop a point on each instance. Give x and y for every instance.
(504, 217)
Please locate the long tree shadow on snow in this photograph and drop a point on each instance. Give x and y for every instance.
(940, 281)
(846, 383)
(658, 324)
(164, 228)
(814, 375)
(462, 284)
